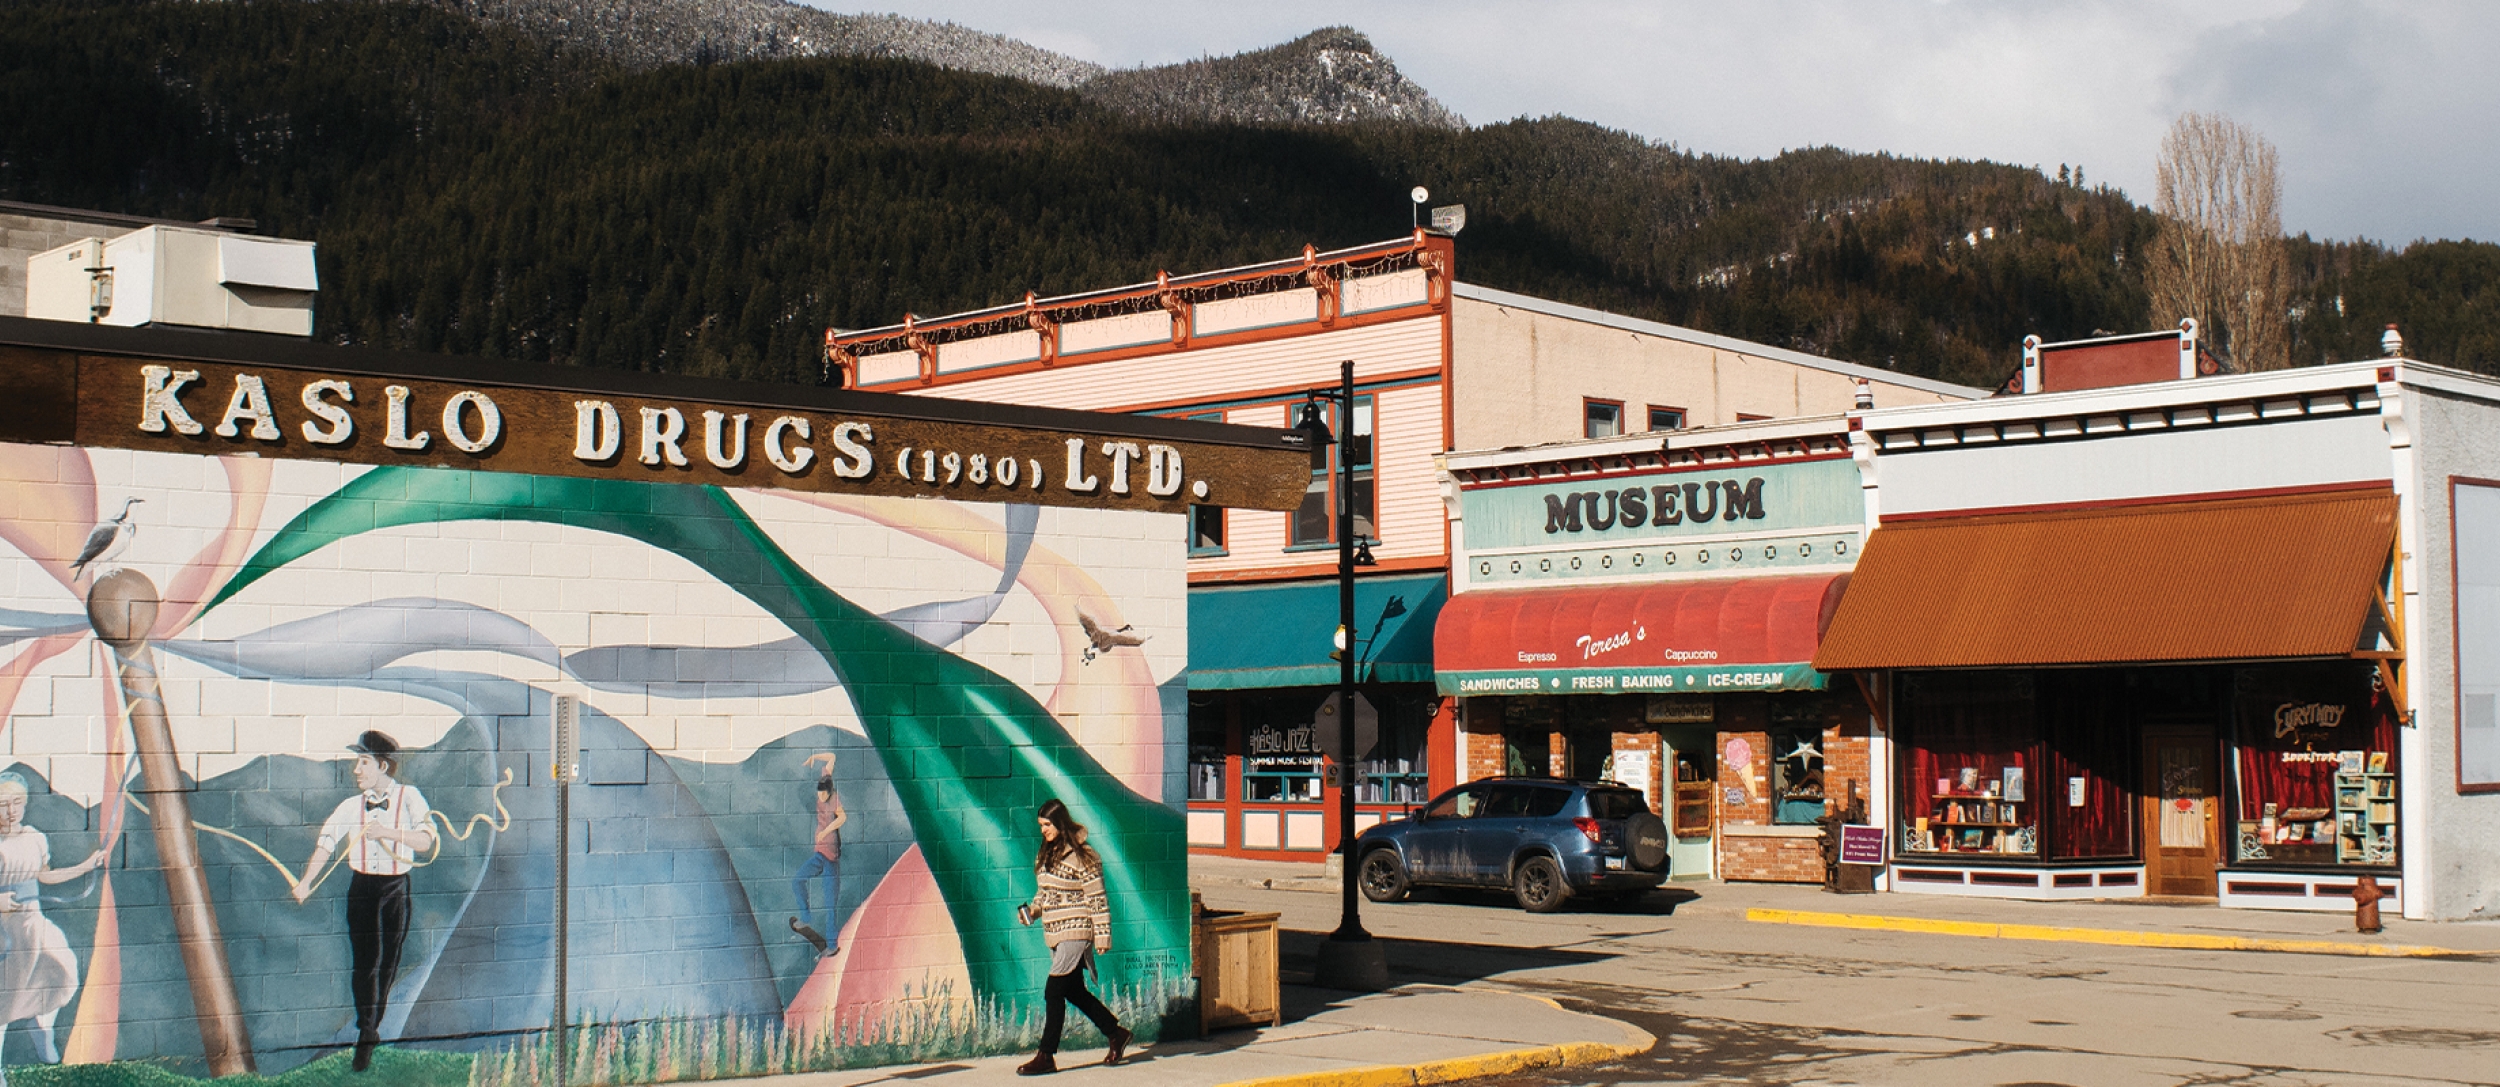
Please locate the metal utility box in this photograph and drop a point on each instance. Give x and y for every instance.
(63, 285)
(164, 275)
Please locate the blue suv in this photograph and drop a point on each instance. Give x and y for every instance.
(1546, 840)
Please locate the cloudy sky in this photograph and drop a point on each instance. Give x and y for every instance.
(2387, 114)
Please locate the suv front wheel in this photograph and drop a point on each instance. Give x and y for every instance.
(1539, 885)
(1382, 878)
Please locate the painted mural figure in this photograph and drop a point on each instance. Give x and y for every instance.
(1076, 923)
(38, 971)
(824, 863)
(383, 827)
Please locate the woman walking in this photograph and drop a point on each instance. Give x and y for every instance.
(1076, 923)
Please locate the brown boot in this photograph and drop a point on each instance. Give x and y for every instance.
(1119, 1045)
(1040, 1065)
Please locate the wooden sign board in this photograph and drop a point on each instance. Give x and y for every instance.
(1861, 844)
(658, 430)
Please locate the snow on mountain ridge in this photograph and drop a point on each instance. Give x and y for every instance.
(1333, 75)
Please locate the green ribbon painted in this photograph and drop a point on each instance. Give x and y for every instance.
(970, 754)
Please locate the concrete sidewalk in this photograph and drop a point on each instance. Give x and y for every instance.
(2135, 922)
(1416, 1034)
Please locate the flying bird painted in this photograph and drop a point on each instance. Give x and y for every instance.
(106, 540)
(1104, 641)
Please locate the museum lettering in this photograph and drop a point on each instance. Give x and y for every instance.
(1657, 507)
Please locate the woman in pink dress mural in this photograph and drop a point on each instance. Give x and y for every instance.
(38, 972)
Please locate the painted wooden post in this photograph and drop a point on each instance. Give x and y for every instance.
(122, 606)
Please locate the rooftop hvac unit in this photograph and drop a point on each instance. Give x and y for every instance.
(165, 275)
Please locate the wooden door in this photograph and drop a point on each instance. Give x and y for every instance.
(2182, 810)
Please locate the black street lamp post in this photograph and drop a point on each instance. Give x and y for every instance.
(1350, 958)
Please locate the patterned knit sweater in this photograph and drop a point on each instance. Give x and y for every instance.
(1071, 904)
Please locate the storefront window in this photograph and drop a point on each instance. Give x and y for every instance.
(1281, 753)
(1967, 784)
(2086, 790)
(1206, 746)
(1393, 770)
(1528, 727)
(1797, 772)
(2315, 773)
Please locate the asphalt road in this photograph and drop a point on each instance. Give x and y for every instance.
(1733, 1001)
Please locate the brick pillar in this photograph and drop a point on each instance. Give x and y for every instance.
(1660, 775)
(1481, 752)
(1848, 753)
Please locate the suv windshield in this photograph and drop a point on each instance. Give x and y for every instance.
(1616, 804)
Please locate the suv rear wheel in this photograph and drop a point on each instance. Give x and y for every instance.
(1382, 878)
(1539, 885)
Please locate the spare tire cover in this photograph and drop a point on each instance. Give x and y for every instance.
(1645, 837)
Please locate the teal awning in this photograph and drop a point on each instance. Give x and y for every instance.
(1279, 635)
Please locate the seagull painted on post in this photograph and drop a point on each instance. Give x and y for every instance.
(106, 540)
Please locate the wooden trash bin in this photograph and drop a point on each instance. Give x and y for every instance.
(1236, 962)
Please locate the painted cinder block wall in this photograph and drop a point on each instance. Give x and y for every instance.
(307, 602)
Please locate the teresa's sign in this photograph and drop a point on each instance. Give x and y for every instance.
(874, 445)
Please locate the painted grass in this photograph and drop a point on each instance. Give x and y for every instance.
(927, 1028)
(396, 1067)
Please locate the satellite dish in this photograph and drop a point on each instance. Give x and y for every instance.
(1449, 219)
(1419, 195)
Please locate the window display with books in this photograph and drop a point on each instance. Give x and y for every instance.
(1967, 785)
(2315, 773)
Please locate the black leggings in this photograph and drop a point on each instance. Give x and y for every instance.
(1065, 989)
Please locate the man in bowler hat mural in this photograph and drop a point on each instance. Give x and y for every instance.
(382, 828)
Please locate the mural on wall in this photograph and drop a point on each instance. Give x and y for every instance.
(292, 716)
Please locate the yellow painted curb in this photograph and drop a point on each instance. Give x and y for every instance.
(1507, 1062)
(2114, 937)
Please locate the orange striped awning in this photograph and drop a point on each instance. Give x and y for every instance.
(2230, 579)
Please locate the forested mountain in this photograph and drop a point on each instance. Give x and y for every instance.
(481, 187)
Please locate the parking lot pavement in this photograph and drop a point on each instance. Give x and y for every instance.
(1416, 1034)
(1902, 988)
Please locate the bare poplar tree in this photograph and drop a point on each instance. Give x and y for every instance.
(2219, 257)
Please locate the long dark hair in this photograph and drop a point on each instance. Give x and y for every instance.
(1071, 837)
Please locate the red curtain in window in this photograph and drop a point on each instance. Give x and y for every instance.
(1961, 732)
(2088, 720)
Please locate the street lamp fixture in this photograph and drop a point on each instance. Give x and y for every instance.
(1349, 958)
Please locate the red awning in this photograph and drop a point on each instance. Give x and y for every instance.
(1741, 633)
